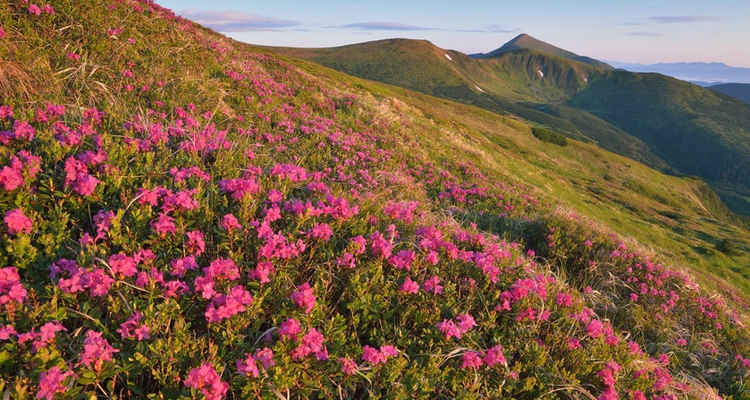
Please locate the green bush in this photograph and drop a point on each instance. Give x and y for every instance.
(546, 135)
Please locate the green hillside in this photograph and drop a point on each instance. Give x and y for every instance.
(740, 91)
(185, 216)
(667, 124)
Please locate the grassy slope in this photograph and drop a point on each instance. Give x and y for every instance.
(176, 96)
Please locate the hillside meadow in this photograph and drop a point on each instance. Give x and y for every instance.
(185, 216)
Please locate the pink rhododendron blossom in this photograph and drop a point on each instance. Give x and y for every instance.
(34, 9)
(471, 360)
(96, 350)
(134, 328)
(432, 285)
(51, 382)
(321, 231)
(11, 289)
(465, 322)
(495, 356)
(348, 366)
(289, 329)
(195, 242)
(122, 265)
(311, 343)
(372, 355)
(17, 222)
(265, 356)
(262, 272)
(164, 225)
(207, 381)
(304, 297)
(6, 331)
(247, 366)
(229, 223)
(225, 306)
(449, 328)
(181, 265)
(595, 329)
(409, 286)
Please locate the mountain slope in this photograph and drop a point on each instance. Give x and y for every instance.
(582, 102)
(740, 91)
(512, 83)
(694, 129)
(185, 216)
(526, 42)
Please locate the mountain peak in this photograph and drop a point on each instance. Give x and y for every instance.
(527, 42)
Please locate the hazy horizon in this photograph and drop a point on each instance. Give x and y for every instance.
(641, 31)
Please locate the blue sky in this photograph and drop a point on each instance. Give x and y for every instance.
(637, 31)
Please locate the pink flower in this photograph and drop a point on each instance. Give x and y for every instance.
(372, 355)
(564, 299)
(230, 223)
(449, 328)
(225, 306)
(164, 225)
(47, 9)
(304, 297)
(207, 381)
(432, 285)
(49, 330)
(51, 383)
(34, 9)
(195, 242)
(96, 350)
(495, 356)
(123, 265)
(595, 328)
(321, 231)
(17, 222)
(6, 332)
(247, 366)
(465, 322)
(182, 265)
(134, 327)
(290, 329)
(574, 343)
(311, 343)
(409, 286)
(348, 366)
(471, 360)
(388, 351)
(265, 356)
(11, 288)
(262, 272)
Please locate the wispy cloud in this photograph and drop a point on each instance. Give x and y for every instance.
(237, 21)
(395, 26)
(674, 19)
(499, 29)
(644, 34)
(385, 26)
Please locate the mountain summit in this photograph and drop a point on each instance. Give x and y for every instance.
(527, 42)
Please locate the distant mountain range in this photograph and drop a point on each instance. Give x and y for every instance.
(704, 74)
(663, 122)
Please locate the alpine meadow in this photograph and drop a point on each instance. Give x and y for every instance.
(188, 216)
